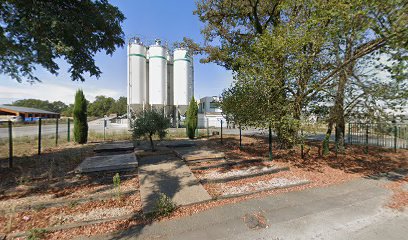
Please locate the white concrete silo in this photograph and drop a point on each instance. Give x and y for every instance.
(157, 55)
(183, 79)
(137, 80)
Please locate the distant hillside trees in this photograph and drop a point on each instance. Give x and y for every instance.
(100, 107)
(56, 106)
(106, 105)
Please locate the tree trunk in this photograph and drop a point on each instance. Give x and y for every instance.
(151, 142)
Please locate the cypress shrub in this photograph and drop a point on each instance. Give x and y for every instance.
(80, 118)
(192, 118)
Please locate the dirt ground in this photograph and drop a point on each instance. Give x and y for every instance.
(50, 177)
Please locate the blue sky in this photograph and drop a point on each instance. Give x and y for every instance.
(168, 20)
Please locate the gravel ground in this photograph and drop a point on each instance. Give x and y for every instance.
(241, 172)
(95, 214)
(258, 186)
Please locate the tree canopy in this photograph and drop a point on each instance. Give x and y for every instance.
(288, 56)
(150, 122)
(37, 33)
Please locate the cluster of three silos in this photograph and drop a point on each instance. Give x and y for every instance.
(159, 79)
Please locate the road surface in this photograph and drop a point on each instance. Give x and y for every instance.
(353, 210)
(32, 131)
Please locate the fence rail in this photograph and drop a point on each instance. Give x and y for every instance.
(388, 135)
(19, 140)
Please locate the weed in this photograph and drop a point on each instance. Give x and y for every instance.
(9, 226)
(39, 207)
(73, 204)
(116, 184)
(36, 233)
(164, 205)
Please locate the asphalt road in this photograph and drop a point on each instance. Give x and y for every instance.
(32, 131)
(353, 210)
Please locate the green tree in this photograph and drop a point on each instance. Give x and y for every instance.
(192, 118)
(149, 123)
(36, 33)
(80, 118)
(119, 106)
(297, 52)
(68, 111)
(101, 106)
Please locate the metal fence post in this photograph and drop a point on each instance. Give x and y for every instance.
(366, 139)
(336, 141)
(56, 133)
(240, 137)
(302, 155)
(208, 128)
(270, 143)
(395, 137)
(10, 132)
(69, 130)
(39, 136)
(104, 129)
(221, 130)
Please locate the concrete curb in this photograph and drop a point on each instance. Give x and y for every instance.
(203, 160)
(64, 202)
(74, 225)
(233, 178)
(263, 190)
(228, 164)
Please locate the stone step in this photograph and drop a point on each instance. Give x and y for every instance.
(114, 147)
(117, 162)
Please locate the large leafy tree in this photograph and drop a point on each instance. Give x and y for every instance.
(101, 106)
(297, 52)
(37, 33)
(119, 106)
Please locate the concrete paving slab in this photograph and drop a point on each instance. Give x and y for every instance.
(108, 163)
(195, 153)
(171, 176)
(179, 143)
(146, 151)
(114, 147)
(157, 159)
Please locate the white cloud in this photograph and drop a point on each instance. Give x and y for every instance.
(52, 92)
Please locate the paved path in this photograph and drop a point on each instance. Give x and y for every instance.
(352, 210)
(170, 175)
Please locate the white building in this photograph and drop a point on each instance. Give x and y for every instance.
(210, 113)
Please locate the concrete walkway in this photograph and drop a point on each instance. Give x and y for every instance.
(352, 210)
(170, 175)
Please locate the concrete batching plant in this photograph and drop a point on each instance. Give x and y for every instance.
(158, 78)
